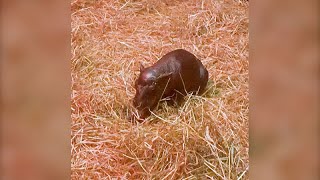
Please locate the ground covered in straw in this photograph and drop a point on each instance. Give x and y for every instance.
(206, 137)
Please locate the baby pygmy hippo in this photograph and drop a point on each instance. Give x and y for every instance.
(177, 73)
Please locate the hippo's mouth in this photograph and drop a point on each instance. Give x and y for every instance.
(142, 110)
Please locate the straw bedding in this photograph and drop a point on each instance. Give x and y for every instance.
(204, 138)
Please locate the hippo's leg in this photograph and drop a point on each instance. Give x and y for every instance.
(171, 100)
(178, 99)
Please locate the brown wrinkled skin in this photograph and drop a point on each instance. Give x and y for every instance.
(177, 73)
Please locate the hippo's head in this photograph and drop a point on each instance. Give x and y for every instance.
(149, 86)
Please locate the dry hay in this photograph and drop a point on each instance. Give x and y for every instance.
(206, 137)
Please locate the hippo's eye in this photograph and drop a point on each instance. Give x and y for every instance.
(154, 83)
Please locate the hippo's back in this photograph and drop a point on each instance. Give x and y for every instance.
(189, 74)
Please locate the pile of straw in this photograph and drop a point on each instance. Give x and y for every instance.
(207, 136)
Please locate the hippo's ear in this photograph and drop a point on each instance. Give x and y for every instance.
(164, 77)
(141, 67)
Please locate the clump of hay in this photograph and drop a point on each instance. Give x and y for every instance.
(207, 136)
